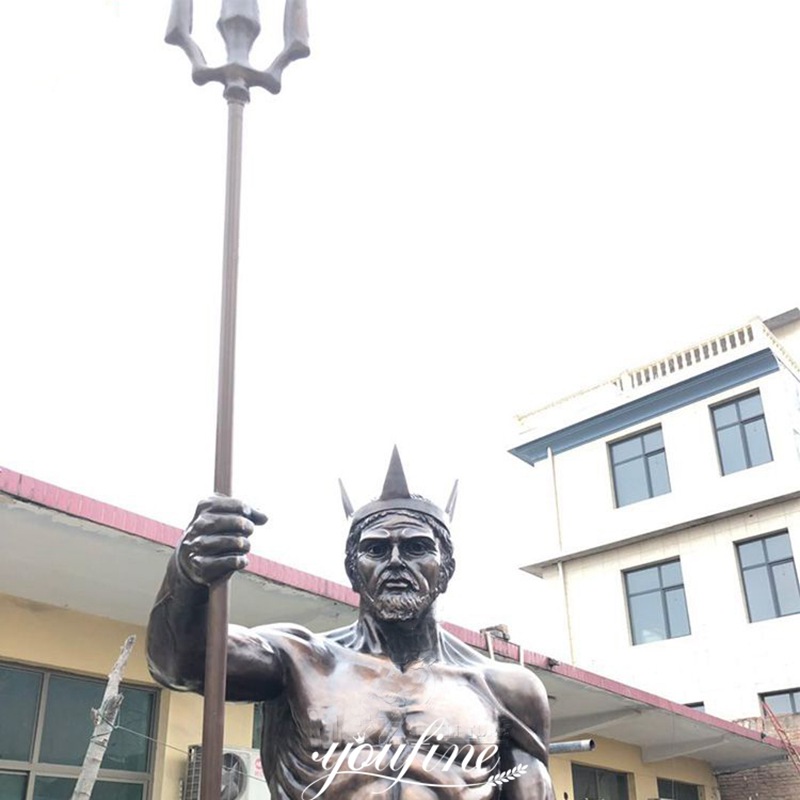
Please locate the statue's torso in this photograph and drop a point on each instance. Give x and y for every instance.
(352, 712)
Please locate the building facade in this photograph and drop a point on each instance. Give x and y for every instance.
(670, 521)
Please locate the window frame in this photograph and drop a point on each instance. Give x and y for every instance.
(794, 700)
(675, 783)
(34, 768)
(603, 770)
(644, 457)
(662, 590)
(773, 591)
(740, 423)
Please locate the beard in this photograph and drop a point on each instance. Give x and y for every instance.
(398, 606)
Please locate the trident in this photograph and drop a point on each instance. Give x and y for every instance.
(239, 25)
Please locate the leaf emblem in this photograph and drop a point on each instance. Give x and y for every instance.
(508, 775)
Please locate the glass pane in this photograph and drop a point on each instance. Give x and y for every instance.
(106, 790)
(780, 703)
(68, 724)
(752, 553)
(612, 785)
(642, 580)
(647, 618)
(677, 612)
(584, 784)
(48, 788)
(19, 700)
(759, 596)
(671, 574)
(68, 720)
(665, 789)
(13, 785)
(725, 415)
(778, 547)
(653, 441)
(686, 791)
(786, 588)
(630, 482)
(659, 477)
(126, 750)
(731, 450)
(750, 407)
(757, 442)
(630, 448)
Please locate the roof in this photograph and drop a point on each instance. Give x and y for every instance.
(106, 561)
(646, 391)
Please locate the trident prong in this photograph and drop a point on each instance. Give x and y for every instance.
(239, 25)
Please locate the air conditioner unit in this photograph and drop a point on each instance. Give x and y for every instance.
(242, 775)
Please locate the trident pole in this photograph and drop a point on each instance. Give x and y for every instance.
(239, 25)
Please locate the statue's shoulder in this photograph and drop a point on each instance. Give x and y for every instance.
(517, 688)
(521, 692)
(277, 632)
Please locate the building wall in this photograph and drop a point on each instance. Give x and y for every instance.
(587, 516)
(727, 660)
(642, 778)
(774, 781)
(40, 635)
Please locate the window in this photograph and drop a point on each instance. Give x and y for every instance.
(701, 706)
(742, 439)
(258, 726)
(783, 702)
(657, 602)
(639, 466)
(769, 577)
(45, 728)
(590, 783)
(675, 790)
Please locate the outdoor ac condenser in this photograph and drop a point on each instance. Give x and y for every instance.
(242, 775)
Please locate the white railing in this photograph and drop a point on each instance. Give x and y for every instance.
(668, 367)
(683, 359)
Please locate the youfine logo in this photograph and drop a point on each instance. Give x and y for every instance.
(392, 764)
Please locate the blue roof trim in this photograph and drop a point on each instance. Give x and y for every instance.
(700, 387)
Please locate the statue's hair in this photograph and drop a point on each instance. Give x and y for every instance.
(440, 532)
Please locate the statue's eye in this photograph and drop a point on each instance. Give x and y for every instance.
(418, 547)
(375, 549)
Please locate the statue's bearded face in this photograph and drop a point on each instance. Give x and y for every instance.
(397, 567)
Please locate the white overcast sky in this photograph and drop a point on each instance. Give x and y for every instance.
(455, 211)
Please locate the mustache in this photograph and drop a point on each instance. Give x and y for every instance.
(398, 575)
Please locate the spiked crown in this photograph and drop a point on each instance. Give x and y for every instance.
(396, 497)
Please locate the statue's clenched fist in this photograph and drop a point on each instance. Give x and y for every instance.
(216, 543)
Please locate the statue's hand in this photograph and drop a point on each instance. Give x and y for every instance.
(216, 543)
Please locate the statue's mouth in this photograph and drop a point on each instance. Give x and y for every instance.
(398, 584)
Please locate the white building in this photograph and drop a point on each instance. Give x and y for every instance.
(669, 520)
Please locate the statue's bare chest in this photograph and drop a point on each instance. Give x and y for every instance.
(367, 698)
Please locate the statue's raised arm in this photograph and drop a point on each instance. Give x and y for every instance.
(214, 545)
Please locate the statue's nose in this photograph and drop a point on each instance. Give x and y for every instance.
(395, 557)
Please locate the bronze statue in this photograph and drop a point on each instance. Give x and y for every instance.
(391, 705)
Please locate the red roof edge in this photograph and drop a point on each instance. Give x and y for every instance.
(76, 505)
(537, 660)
